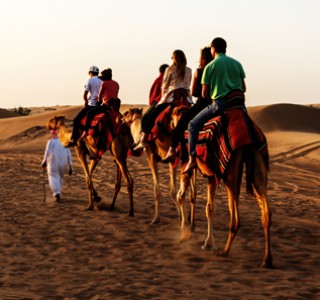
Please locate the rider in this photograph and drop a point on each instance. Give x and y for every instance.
(155, 90)
(175, 86)
(178, 132)
(92, 87)
(222, 77)
(154, 95)
(107, 98)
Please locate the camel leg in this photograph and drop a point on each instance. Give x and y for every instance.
(116, 187)
(173, 190)
(92, 167)
(193, 195)
(234, 224)
(232, 181)
(84, 164)
(209, 213)
(119, 150)
(156, 189)
(260, 190)
(129, 182)
(184, 184)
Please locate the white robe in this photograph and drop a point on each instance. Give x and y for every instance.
(58, 160)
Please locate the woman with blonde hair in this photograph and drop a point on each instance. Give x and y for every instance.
(196, 88)
(175, 86)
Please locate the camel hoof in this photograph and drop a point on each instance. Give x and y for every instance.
(193, 228)
(111, 208)
(185, 237)
(206, 247)
(131, 214)
(88, 208)
(267, 264)
(221, 253)
(155, 221)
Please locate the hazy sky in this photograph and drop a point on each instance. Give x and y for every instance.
(47, 46)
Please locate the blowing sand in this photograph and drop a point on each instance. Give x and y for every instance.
(61, 251)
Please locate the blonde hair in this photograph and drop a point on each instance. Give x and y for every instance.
(180, 62)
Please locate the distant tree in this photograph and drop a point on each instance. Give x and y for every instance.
(23, 111)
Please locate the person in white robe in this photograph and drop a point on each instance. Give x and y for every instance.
(57, 159)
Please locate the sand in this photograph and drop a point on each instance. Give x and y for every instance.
(61, 251)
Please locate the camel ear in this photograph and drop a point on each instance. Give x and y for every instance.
(140, 110)
(52, 123)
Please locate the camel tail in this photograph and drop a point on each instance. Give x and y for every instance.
(249, 163)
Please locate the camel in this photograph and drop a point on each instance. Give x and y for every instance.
(156, 151)
(88, 146)
(256, 177)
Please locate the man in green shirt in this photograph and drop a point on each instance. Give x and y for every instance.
(221, 77)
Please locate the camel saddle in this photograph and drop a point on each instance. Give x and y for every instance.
(224, 134)
(105, 127)
(162, 126)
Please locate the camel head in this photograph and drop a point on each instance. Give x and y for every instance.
(132, 118)
(131, 114)
(58, 123)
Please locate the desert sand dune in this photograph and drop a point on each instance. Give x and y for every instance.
(287, 117)
(4, 113)
(61, 251)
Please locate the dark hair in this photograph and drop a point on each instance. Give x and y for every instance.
(219, 44)
(106, 74)
(205, 57)
(163, 68)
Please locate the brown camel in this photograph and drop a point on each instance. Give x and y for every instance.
(88, 146)
(156, 151)
(256, 177)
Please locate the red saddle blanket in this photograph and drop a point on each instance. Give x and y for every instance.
(104, 127)
(224, 134)
(162, 126)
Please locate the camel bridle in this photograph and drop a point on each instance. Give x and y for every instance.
(132, 120)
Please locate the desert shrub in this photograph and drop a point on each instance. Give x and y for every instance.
(23, 111)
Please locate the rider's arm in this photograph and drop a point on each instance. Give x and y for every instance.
(243, 86)
(194, 89)
(206, 91)
(100, 95)
(85, 97)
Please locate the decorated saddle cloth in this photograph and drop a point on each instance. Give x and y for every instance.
(162, 126)
(224, 134)
(104, 127)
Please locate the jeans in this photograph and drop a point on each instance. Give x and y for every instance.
(201, 118)
(178, 132)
